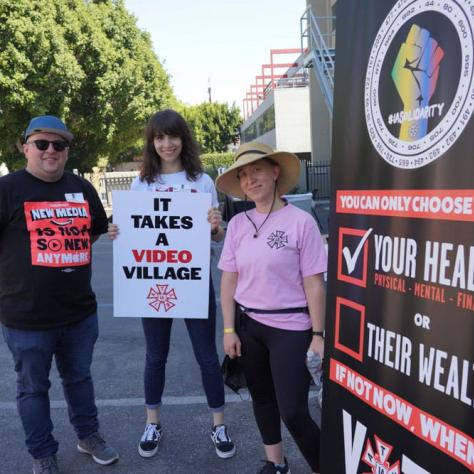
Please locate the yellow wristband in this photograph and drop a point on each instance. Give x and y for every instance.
(228, 330)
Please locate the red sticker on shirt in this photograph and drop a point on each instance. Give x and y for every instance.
(59, 233)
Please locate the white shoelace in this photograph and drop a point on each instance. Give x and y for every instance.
(220, 434)
(151, 433)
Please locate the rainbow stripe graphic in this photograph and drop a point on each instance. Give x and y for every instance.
(415, 74)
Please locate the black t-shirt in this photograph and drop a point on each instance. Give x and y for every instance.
(45, 250)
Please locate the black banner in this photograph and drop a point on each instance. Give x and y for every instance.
(399, 375)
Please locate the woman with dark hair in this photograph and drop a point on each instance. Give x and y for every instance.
(171, 163)
(170, 123)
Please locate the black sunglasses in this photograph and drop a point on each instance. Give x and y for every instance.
(43, 145)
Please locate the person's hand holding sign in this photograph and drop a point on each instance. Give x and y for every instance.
(214, 217)
(112, 231)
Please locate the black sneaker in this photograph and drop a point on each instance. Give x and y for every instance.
(271, 468)
(47, 465)
(148, 445)
(224, 446)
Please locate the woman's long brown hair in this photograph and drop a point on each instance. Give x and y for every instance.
(169, 122)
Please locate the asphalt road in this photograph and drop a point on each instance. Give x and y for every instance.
(117, 370)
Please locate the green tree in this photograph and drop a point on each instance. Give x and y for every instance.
(214, 125)
(213, 161)
(85, 61)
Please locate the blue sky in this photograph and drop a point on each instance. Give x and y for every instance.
(224, 40)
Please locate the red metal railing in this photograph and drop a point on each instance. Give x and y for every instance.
(273, 75)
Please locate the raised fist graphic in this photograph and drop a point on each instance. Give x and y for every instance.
(415, 74)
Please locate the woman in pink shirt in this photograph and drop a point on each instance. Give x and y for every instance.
(273, 298)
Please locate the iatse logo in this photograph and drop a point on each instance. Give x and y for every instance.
(378, 456)
(419, 88)
(161, 296)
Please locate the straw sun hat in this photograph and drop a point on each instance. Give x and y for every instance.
(289, 164)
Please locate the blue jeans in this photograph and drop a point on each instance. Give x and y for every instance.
(202, 333)
(33, 352)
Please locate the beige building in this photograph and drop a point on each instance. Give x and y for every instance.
(290, 106)
(319, 41)
(276, 109)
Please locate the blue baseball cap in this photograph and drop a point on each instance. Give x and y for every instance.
(48, 124)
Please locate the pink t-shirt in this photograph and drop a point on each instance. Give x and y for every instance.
(271, 267)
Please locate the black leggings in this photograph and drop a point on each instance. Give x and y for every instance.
(274, 364)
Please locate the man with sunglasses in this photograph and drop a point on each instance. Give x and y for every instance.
(49, 219)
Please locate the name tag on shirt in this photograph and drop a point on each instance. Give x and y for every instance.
(74, 197)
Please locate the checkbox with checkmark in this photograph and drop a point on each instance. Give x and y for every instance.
(353, 249)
